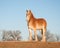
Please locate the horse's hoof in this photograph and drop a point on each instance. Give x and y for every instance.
(43, 40)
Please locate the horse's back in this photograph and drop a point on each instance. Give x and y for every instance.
(41, 22)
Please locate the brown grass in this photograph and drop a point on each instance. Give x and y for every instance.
(29, 44)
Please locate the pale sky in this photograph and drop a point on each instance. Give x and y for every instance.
(13, 14)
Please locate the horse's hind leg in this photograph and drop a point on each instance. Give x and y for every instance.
(41, 31)
(44, 35)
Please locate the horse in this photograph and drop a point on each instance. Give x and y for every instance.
(36, 24)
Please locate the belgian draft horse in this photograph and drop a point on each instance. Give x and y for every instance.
(36, 24)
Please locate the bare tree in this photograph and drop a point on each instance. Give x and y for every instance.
(11, 35)
(51, 37)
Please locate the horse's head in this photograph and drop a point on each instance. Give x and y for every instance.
(28, 14)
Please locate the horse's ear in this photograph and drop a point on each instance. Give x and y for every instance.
(26, 10)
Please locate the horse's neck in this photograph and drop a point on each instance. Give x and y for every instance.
(32, 17)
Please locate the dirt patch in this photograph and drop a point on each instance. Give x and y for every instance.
(16, 44)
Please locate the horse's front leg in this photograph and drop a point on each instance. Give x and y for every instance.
(30, 35)
(35, 34)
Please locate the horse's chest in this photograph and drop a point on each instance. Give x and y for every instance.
(32, 25)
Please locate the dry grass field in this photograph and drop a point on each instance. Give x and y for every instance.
(32, 44)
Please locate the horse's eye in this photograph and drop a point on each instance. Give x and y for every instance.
(26, 15)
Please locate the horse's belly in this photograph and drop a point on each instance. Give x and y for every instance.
(39, 27)
(36, 27)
